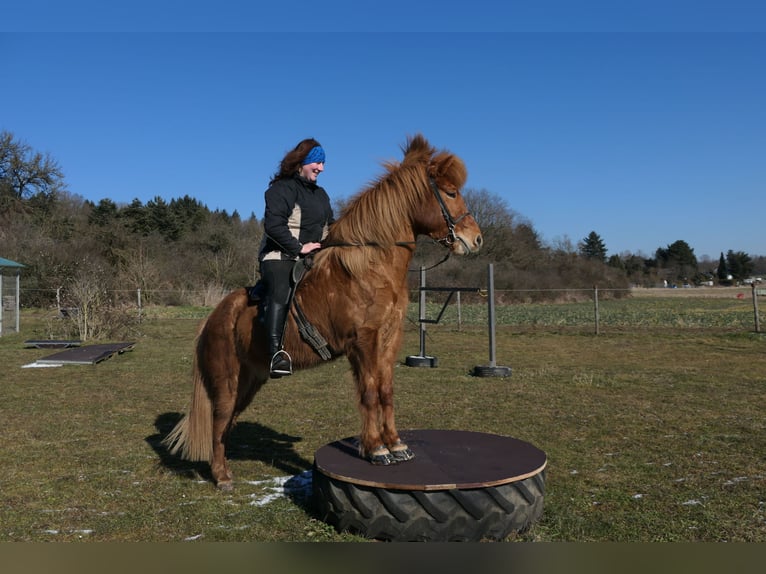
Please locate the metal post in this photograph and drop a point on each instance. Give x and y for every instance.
(491, 295)
(1, 303)
(491, 370)
(595, 306)
(755, 310)
(18, 303)
(422, 360)
(422, 314)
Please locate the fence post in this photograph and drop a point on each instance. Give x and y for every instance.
(459, 314)
(58, 300)
(18, 302)
(595, 307)
(139, 304)
(755, 309)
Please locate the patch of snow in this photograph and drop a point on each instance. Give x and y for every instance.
(734, 481)
(299, 486)
(193, 538)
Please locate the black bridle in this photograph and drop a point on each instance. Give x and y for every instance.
(451, 236)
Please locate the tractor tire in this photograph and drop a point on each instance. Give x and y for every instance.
(470, 515)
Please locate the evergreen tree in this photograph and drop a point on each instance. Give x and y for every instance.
(592, 247)
(723, 270)
(136, 218)
(740, 264)
(678, 259)
(102, 214)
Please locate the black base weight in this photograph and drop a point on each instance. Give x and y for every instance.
(486, 371)
(421, 361)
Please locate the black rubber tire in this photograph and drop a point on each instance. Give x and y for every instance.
(469, 515)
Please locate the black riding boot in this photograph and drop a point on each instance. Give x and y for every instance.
(281, 364)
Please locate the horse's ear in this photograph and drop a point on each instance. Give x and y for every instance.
(417, 150)
(448, 168)
(416, 143)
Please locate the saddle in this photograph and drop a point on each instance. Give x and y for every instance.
(256, 294)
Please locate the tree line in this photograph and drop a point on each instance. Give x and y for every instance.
(179, 252)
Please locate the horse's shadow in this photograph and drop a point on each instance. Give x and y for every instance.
(247, 441)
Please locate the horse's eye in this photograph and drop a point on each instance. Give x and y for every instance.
(452, 194)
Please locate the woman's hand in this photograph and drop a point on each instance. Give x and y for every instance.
(309, 247)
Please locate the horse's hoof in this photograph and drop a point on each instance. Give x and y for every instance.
(402, 455)
(225, 486)
(381, 456)
(382, 459)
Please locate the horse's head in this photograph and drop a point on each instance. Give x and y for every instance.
(445, 217)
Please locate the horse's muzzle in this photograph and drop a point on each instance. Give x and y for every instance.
(465, 245)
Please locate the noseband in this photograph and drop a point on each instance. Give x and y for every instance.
(451, 236)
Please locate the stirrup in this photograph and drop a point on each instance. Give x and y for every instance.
(281, 364)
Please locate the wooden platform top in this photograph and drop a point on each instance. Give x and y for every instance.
(444, 459)
(86, 355)
(51, 343)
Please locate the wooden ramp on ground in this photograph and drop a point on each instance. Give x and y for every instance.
(86, 355)
(50, 344)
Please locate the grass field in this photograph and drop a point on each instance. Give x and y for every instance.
(654, 429)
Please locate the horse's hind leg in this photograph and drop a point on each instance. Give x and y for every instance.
(223, 421)
(225, 414)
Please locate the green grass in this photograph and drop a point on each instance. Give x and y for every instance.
(654, 430)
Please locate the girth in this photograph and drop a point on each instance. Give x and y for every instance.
(308, 332)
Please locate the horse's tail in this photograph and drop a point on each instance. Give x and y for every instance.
(192, 437)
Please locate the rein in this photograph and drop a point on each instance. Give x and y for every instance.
(397, 244)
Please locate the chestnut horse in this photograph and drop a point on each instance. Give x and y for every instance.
(355, 294)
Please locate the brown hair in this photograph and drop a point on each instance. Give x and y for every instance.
(294, 158)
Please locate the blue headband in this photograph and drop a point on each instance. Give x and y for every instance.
(316, 155)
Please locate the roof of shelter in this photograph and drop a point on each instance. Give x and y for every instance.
(8, 263)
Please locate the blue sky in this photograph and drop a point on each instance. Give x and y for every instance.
(642, 121)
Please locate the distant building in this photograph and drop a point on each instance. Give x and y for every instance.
(10, 289)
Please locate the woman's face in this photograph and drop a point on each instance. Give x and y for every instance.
(312, 170)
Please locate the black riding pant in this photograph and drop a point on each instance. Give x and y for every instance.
(276, 275)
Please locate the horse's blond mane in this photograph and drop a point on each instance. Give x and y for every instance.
(374, 216)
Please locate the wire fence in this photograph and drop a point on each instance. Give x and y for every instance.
(592, 309)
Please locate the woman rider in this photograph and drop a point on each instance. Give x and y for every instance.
(297, 217)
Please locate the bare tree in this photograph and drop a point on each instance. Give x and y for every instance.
(25, 174)
(87, 299)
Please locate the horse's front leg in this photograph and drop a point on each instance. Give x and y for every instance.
(373, 370)
(372, 443)
(399, 451)
(364, 359)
